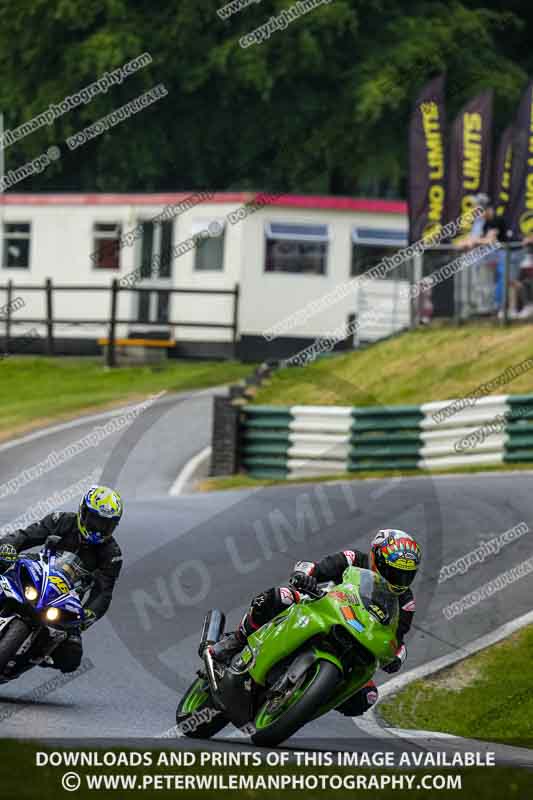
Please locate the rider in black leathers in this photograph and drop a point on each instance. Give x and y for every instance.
(88, 534)
(305, 577)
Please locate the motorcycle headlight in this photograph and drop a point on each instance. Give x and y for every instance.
(31, 593)
(52, 614)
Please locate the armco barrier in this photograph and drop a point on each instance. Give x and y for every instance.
(305, 441)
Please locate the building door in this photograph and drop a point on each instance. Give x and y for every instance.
(154, 257)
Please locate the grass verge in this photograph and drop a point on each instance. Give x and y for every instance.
(36, 391)
(428, 364)
(242, 481)
(488, 696)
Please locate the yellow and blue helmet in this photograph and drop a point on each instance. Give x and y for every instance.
(99, 514)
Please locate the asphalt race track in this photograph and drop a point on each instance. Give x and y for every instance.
(184, 555)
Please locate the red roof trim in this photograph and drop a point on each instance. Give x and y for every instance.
(311, 202)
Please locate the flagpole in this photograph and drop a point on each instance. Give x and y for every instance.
(2, 173)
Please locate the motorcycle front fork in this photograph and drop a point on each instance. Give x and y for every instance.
(55, 638)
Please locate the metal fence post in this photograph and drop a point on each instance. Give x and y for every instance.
(8, 316)
(49, 318)
(458, 296)
(351, 332)
(110, 360)
(416, 275)
(506, 279)
(472, 273)
(235, 318)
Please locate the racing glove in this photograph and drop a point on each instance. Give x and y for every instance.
(397, 662)
(8, 556)
(304, 583)
(90, 619)
(52, 543)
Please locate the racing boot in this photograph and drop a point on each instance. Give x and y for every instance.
(47, 661)
(231, 644)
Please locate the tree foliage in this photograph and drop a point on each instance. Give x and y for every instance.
(322, 106)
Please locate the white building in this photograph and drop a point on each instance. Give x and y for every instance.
(282, 255)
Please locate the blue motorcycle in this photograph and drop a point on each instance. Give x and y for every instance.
(40, 605)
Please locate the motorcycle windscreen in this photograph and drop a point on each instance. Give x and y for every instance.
(373, 608)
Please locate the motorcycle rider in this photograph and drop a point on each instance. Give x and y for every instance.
(394, 554)
(89, 534)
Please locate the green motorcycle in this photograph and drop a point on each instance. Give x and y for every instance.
(308, 660)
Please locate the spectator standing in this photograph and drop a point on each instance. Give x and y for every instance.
(488, 229)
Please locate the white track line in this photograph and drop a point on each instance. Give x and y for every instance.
(85, 420)
(65, 426)
(188, 471)
(395, 684)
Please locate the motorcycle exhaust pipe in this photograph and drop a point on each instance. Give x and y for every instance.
(213, 629)
(211, 676)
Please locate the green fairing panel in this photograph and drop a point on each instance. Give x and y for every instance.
(361, 604)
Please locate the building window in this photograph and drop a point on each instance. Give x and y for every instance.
(156, 250)
(209, 251)
(299, 249)
(165, 266)
(106, 245)
(370, 246)
(143, 308)
(16, 253)
(163, 306)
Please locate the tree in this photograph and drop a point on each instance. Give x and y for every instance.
(321, 106)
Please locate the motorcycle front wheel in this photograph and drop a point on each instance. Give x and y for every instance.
(279, 717)
(12, 637)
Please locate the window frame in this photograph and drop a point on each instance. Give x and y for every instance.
(25, 236)
(324, 238)
(95, 247)
(392, 240)
(202, 224)
(380, 237)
